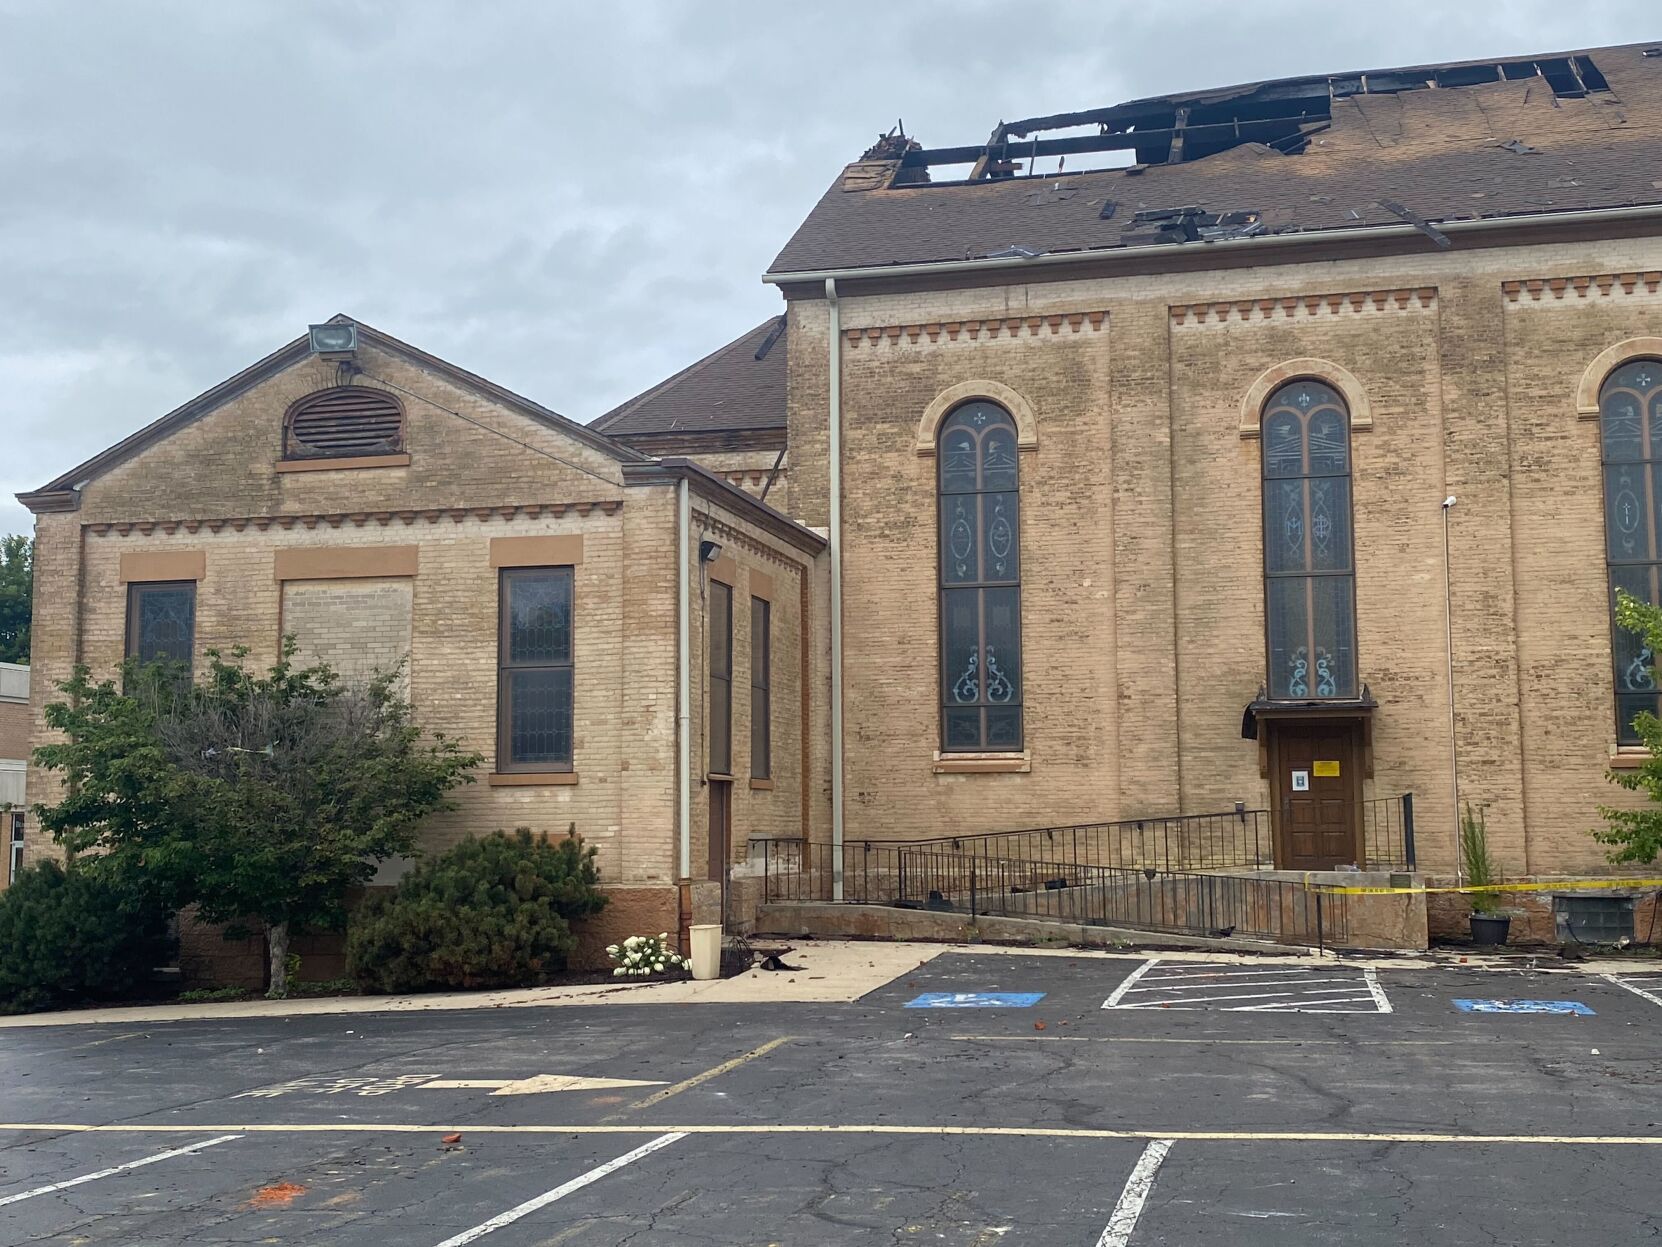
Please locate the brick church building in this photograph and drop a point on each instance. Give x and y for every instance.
(1276, 447)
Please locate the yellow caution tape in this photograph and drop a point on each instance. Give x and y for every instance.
(1562, 885)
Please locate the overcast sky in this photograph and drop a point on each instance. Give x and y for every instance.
(573, 200)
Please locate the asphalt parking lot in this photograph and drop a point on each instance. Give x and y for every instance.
(982, 1099)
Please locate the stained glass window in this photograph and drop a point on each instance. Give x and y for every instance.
(1630, 432)
(1309, 572)
(534, 688)
(161, 621)
(980, 581)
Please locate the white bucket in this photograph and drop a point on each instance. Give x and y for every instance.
(706, 950)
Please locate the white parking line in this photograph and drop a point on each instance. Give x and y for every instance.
(1647, 985)
(1130, 982)
(1288, 989)
(560, 1192)
(1130, 1207)
(115, 1169)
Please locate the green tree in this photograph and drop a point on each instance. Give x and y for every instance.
(17, 582)
(1636, 835)
(256, 797)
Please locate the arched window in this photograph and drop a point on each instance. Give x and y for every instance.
(1309, 572)
(344, 423)
(980, 561)
(1630, 429)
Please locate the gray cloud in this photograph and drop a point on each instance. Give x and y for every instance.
(572, 201)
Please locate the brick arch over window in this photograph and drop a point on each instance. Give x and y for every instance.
(949, 400)
(1326, 371)
(1605, 363)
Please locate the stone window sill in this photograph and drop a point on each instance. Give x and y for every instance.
(983, 763)
(327, 465)
(761, 785)
(531, 779)
(1628, 759)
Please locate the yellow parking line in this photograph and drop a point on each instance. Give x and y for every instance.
(881, 1128)
(657, 1097)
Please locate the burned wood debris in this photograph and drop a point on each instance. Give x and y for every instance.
(1176, 129)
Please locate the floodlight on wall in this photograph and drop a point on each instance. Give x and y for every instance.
(709, 551)
(335, 340)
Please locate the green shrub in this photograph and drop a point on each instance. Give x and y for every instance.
(76, 935)
(494, 912)
(214, 995)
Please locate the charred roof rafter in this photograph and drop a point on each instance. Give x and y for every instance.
(1174, 129)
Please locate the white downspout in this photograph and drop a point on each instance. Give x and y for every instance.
(683, 676)
(835, 429)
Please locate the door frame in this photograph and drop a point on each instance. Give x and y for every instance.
(721, 868)
(1356, 760)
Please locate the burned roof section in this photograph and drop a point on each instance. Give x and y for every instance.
(1281, 115)
(1508, 136)
(736, 390)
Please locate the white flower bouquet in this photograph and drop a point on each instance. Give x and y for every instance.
(642, 955)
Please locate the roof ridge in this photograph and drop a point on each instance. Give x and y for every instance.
(601, 422)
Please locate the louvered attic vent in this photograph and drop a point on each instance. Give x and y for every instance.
(344, 423)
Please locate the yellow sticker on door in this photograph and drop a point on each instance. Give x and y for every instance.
(1325, 770)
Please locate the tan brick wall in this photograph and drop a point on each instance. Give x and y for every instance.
(211, 490)
(14, 729)
(776, 808)
(1142, 590)
(360, 628)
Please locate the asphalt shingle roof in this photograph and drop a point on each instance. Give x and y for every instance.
(728, 390)
(1456, 153)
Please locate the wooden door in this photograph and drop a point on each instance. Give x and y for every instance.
(1316, 786)
(721, 834)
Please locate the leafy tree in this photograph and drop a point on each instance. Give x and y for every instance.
(493, 912)
(255, 797)
(73, 935)
(17, 578)
(1637, 834)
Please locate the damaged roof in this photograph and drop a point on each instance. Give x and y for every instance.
(738, 388)
(1511, 136)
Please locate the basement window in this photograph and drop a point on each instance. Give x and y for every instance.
(347, 422)
(1593, 919)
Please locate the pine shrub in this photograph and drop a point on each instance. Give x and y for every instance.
(76, 935)
(490, 912)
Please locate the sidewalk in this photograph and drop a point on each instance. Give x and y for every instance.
(833, 972)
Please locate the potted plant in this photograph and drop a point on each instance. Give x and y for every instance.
(1489, 922)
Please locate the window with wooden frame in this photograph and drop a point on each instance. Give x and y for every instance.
(1630, 437)
(979, 501)
(761, 677)
(347, 422)
(161, 621)
(1309, 563)
(534, 670)
(720, 627)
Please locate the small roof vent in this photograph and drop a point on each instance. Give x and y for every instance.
(344, 423)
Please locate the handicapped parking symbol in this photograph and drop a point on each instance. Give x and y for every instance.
(976, 1000)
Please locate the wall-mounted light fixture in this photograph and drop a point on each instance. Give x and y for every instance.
(709, 551)
(335, 340)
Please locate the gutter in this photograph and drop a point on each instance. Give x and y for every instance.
(834, 426)
(1109, 255)
(683, 677)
